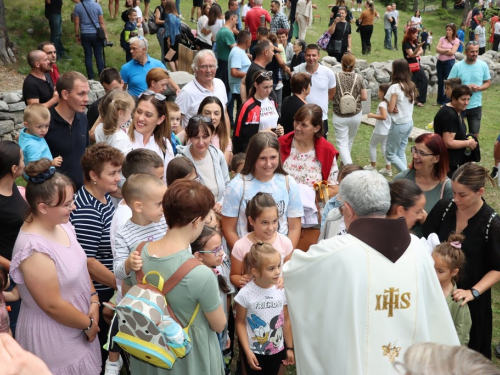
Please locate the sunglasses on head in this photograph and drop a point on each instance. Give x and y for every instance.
(201, 118)
(160, 97)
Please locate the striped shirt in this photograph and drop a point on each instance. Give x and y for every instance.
(92, 221)
(130, 235)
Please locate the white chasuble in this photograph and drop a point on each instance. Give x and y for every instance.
(354, 311)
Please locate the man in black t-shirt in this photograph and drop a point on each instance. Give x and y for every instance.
(38, 86)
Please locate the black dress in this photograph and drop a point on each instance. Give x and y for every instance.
(419, 78)
(342, 32)
(290, 106)
(481, 256)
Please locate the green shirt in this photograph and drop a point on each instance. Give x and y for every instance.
(224, 39)
(431, 196)
(461, 317)
(198, 286)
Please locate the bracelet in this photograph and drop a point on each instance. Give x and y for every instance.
(289, 349)
(95, 293)
(97, 302)
(90, 326)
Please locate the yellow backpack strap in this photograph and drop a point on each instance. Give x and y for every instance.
(192, 318)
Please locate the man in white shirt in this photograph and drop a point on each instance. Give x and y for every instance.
(357, 302)
(395, 15)
(322, 82)
(204, 84)
(245, 10)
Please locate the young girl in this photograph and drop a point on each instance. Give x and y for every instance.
(401, 96)
(262, 172)
(115, 111)
(262, 225)
(212, 107)
(5, 296)
(262, 320)
(429, 41)
(379, 136)
(209, 250)
(448, 259)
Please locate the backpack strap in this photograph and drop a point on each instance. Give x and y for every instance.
(354, 82)
(178, 275)
(242, 195)
(140, 274)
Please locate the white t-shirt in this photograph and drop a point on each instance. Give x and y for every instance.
(322, 80)
(481, 31)
(202, 23)
(118, 139)
(382, 126)
(405, 108)
(288, 202)
(245, 10)
(416, 21)
(265, 317)
(205, 168)
(216, 27)
(268, 115)
(497, 28)
(139, 12)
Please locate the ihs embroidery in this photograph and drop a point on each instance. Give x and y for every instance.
(391, 351)
(392, 300)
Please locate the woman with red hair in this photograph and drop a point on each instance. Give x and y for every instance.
(411, 53)
(428, 170)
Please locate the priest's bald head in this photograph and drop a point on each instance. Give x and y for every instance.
(364, 194)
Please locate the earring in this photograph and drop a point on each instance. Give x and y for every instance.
(95, 182)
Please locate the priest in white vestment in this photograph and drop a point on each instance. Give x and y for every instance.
(357, 302)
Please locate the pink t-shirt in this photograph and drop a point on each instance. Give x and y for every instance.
(445, 43)
(216, 144)
(243, 245)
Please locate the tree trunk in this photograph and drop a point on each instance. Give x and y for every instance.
(444, 4)
(464, 14)
(415, 5)
(6, 53)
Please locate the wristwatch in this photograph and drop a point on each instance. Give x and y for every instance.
(475, 293)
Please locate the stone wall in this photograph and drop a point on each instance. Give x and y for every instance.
(380, 72)
(12, 105)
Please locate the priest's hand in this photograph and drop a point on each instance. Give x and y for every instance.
(461, 294)
(252, 360)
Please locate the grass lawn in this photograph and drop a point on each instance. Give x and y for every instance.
(31, 15)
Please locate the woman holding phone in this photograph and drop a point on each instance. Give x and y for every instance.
(412, 50)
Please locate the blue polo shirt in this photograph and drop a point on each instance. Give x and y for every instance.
(134, 74)
(70, 142)
(34, 147)
(88, 25)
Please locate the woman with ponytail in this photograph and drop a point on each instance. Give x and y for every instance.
(469, 215)
(366, 20)
(59, 316)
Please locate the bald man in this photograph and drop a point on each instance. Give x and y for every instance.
(38, 86)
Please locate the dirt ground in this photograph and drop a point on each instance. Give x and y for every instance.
(10, 80)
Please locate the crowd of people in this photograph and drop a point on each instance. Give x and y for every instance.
(231, 202)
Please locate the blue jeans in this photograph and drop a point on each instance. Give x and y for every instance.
(443, 71)
(178, 6)
(238, 12)
(91, 43)
(387, 40)
(395, 33)
(397, 139)
(161, 40)
(290, 32)
(55, 24)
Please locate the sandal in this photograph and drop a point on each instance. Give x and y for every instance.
(419, 105)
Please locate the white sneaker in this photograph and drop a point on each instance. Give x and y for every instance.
(279, 86)
(369, 168)
(386, 172)
(113, 368)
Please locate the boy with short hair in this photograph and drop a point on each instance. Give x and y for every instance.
(480, 36)
(31, 138)
(423, 38)
(144, 162)
(450, 84)
(174, 112)
(129, 31)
